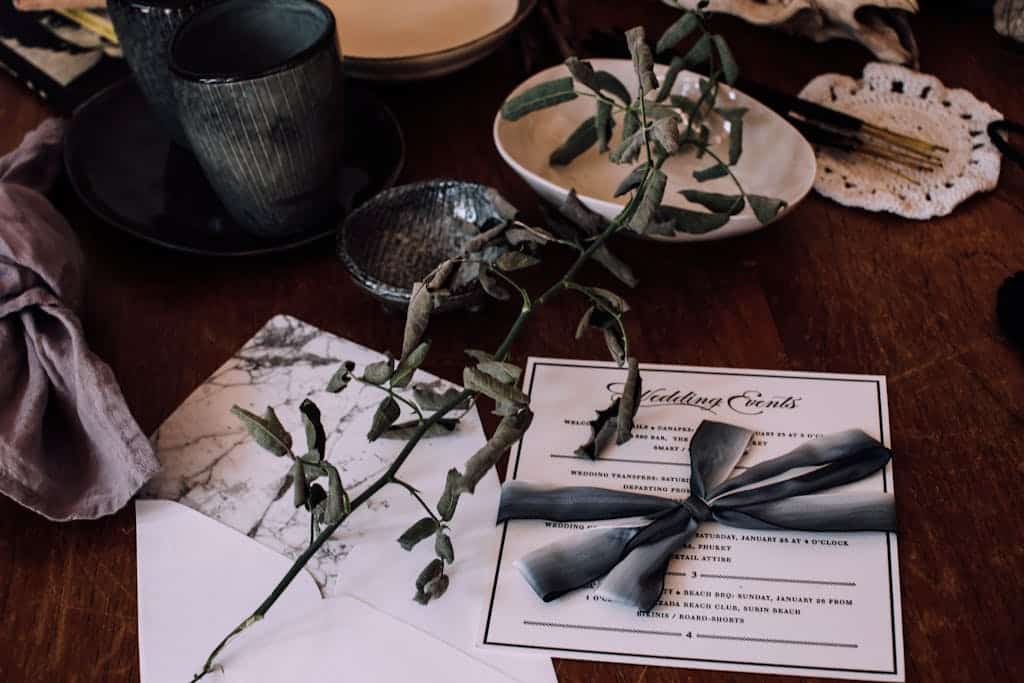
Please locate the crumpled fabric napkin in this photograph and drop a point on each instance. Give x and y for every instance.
(69, 447)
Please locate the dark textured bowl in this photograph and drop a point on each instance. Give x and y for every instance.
(400, 236)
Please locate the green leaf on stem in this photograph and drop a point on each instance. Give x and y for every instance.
(408, 365)
(336, 506)
(765, 208)
(578, 142)
(436, 587)
(422, 529)
(387, 412)
(718, 170)
(633, 180)
(628, 149)
(507, 373)
(608, 83)
(265, 431)
(669, 80)
(300, 489)
(540, 96)
(729, 68)
(434, 569)
(629, 404)
(730, 204)
(674, 34)
(380, 372)
(443, 547)
(630, 123)
(734, 117)
(653, 192)
(478, 355)
(403, 431)
(666, 133)
(479, 381)
(699, 53)
(450, 497)
(692, 222)
(576, 211)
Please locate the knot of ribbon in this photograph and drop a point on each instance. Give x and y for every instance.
(786, 492)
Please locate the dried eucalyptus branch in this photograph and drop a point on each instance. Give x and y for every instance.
(498, 249)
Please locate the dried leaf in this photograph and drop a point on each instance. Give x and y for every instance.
(387, 412)
(265, 431)
(629, 403)
(515, 260)
(421, 304)
(729, 68)
(491, 231)
(603, 124)
(510, 430)
(442, 274)
(380, 372)
(608, 83)
(316, 438)
(584, 324)
(653, 192)
(630, 123)
(436, 587)
(408, 365)
(583, 72)
(518, 236)
(502, 206)
(403, 431)
(628, 149)
(730, 204)
(481, 382)
(602, 430)
(422, 529)
(614, 265)
(538, 97)
(616, 347)
(492, 286)
(643, 61)
(468, 272)
(450, 497)
(765, 208)
(610, 300)
(692, 222)
(711, 172)
(428, 397)
(478, 355)
(591, 222)
(578, 142)
(675, 33)
(666, 133)
(443, 547)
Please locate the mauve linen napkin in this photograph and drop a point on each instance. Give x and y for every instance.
(69, 447)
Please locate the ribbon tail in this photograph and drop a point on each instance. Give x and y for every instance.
(573, 562)
(853, 511)
(639, 579)
(523, 500)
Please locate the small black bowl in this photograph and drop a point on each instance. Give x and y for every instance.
(400, 236)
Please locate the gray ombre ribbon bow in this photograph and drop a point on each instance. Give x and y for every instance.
(770, 495)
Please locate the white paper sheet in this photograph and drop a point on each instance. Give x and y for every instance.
(741, 600)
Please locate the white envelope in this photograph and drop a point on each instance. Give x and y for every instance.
(197, 578)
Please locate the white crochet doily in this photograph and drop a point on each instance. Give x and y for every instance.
(915, 104)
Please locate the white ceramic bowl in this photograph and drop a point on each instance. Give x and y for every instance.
(776, 161)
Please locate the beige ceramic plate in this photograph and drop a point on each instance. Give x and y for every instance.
(399, 40)
(776, 160)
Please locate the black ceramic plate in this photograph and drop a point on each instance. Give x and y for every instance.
(127, 171)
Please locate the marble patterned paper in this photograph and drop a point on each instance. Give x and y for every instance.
(212, 465)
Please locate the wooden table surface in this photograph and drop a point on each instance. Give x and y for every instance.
(826, 289)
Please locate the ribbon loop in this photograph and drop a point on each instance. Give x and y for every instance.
(699, 509)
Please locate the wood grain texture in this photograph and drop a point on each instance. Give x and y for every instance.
(827, 289)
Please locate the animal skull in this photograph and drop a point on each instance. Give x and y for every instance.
(879, 25)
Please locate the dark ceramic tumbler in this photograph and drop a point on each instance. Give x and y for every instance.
(259, 90)
(145, 29)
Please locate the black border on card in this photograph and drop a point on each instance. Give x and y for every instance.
(888, 535)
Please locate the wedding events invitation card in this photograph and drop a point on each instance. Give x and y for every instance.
(821, 604)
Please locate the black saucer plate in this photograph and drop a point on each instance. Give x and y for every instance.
(127, 171)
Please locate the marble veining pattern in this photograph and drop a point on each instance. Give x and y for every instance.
(210, 463)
